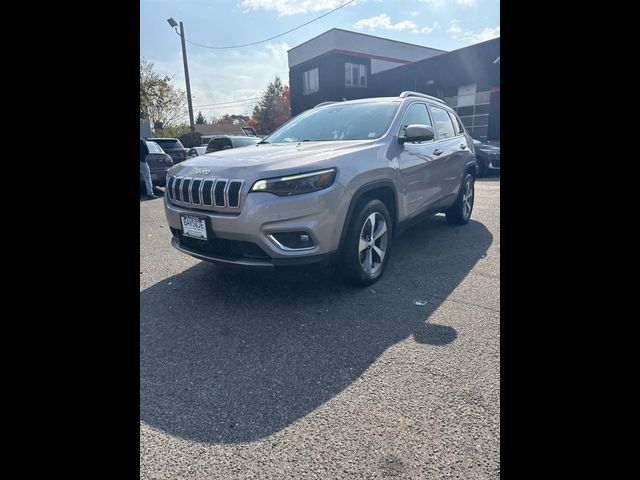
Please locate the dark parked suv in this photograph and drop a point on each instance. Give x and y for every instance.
(173, 147)
(336, 182)
(159, 164)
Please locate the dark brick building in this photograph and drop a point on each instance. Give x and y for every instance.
(347, 65)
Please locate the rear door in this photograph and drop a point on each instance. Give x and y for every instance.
(452, 151)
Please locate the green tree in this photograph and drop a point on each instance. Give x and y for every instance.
(160, 101)
(172, 131)
(200, 120)
(227, 119)
(273, 108)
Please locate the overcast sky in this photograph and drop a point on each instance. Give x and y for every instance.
(238, 74)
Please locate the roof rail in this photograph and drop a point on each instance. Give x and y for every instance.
(409, 93)
(323, 104)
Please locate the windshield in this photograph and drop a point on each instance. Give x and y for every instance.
(355, 121)
(169, 143)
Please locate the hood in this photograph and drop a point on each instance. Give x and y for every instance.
(488, 148)
(269, 159)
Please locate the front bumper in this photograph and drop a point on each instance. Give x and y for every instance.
(255, 262)
(321, 215)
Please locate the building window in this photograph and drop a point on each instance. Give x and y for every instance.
(310, 82)
(355, 75)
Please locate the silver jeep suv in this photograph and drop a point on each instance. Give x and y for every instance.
(336, 182)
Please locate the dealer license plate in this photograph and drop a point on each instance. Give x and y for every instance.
(194, 227)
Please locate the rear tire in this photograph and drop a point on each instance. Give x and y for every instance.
(460, 212)
(368, 243)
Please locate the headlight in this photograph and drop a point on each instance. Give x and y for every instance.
(296, 184)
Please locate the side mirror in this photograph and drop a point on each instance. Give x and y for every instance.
(417, 133)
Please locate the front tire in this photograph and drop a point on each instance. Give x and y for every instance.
(367, 244)
(460, 212)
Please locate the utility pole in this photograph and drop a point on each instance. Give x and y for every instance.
(173, 23)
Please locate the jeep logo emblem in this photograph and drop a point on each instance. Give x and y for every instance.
(203, 171)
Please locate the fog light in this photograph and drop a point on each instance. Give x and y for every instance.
(292, 240)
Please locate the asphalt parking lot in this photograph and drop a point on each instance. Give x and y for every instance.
(292, 374)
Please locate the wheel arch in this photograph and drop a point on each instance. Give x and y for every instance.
(383, 190)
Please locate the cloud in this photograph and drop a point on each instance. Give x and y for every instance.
(454, 28)
(440, 3)
(293, 7)
(223, 77)
(470, 36)
(485, 34)
(383, 22)
(434, 3)
(426, 30)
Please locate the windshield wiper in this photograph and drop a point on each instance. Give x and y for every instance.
(262, 142)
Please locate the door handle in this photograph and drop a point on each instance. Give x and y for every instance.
(438, 151)
(463, 146)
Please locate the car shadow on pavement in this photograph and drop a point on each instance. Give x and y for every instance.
(230, 355)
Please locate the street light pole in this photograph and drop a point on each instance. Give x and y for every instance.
(172, 22)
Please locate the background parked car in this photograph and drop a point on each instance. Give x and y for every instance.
(173, 147)
(159, 164)
(488, 157)
(224, 142)
(197, 151)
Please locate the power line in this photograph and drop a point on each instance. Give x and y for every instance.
(248, 105)
(275, 36)
(246, 100)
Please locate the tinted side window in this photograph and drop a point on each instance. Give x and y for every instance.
(416, 114)
(219, 144)
(154, 147)
(456, 124)
(444, 127)
(244, 142)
